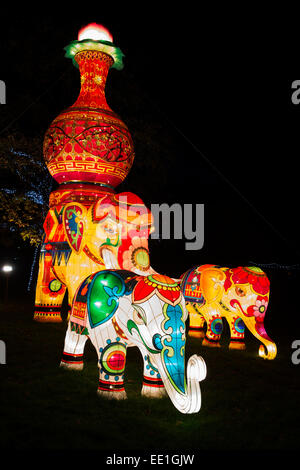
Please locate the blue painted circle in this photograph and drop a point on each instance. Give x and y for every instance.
(239, 325)
(217, 326)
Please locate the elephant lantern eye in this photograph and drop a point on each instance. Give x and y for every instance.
(138, 316)
(240, 292)
(110, 230)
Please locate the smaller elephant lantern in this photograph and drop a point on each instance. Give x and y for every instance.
(117, 309)
(241, 295)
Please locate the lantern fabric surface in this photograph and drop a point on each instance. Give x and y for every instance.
(240, 295)
(117, 309)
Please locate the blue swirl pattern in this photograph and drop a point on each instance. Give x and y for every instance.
(174, 345)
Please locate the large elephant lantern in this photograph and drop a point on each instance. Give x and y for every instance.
(241, 295)
(117, 309)
(85, 234)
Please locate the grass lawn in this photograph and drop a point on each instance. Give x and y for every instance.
(248, 403)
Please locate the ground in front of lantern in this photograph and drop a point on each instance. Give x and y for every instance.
(248, 403)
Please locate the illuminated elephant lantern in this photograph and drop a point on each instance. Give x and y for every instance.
(117, 309)
(241, 295)
(85, 235)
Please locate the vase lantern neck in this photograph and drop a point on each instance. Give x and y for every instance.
(93, 67)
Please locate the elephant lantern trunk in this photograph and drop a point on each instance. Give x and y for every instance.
(250, 299)
(187, 398)
(255, 324)
(168, 339)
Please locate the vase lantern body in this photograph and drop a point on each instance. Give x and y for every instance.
(88, 142)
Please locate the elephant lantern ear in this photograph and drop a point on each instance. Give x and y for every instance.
(74, 222)
(211, 284)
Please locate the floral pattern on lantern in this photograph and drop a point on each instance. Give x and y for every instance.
(259, 309)
(137, 256)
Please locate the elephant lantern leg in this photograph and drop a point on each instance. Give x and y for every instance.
(49, 294)
(237, 332)
(214, 326)
(75, 340)
(197, 321)
(153, 386)
(112, 360)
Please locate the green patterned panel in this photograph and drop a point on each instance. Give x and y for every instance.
(103, 298)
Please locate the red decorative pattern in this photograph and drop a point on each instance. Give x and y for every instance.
(165, 288)
(243, 275)
(82, 193)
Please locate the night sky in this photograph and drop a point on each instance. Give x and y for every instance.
(211, 118)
